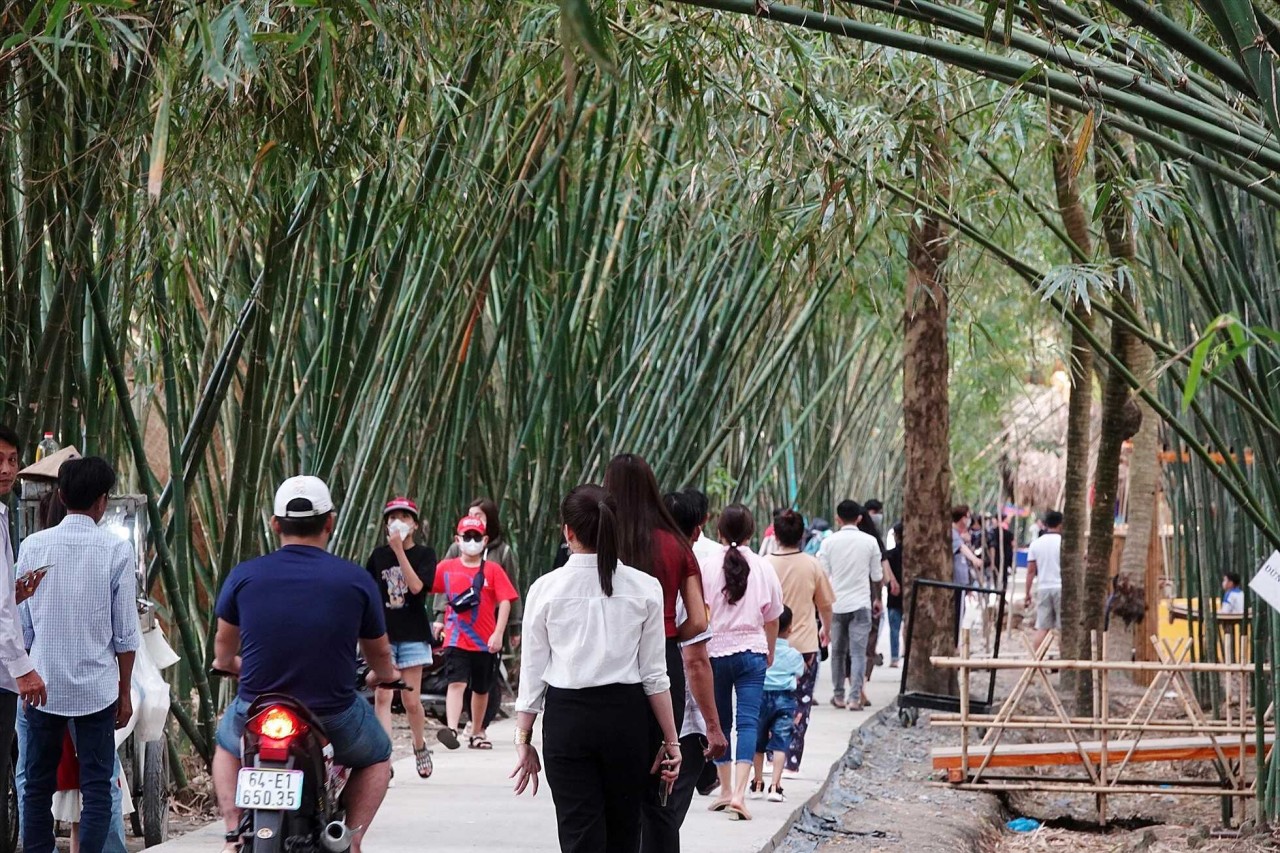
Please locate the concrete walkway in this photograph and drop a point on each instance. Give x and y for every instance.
(469, 805)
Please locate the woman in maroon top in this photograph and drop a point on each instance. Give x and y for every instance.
(650, 540)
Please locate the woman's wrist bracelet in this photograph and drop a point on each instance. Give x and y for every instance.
(524, 736)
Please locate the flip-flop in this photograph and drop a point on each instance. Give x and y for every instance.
(736, 813)
(448, 737)
(422, 762)
(718, 806)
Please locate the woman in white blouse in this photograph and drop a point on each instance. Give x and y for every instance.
(593, 658)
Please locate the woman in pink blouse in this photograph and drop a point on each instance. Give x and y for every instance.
(745, 599)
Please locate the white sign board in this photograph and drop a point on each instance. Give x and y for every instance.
(1266, 583)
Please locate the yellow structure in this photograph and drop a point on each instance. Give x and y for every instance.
(1176, 616)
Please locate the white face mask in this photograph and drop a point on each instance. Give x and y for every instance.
(403, 528)
(471, 549)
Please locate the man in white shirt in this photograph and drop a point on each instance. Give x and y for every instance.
(704, 546)
(852, 560)
(1044, 560)
(17, 675)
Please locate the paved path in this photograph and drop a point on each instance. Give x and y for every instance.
(468, 804)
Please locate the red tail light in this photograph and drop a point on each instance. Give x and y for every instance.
(276, 727)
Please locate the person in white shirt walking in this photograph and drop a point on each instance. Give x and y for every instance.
(853, 562)
(1044, 561)
(593, 655)
(18, 675)
(83, 633)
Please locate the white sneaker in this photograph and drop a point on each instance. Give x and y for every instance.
(757, 791)
(776, 795)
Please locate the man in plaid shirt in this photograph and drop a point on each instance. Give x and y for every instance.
(82, 630)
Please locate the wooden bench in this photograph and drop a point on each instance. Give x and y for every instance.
(1196, 748)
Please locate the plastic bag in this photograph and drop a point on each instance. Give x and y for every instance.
(151, 707)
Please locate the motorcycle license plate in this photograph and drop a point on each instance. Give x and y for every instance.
(269, 790)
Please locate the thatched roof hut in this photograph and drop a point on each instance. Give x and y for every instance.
(1033, 451)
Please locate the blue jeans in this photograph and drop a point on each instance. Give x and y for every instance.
(740, 674)
(895, 632)
(116, 837)
(96, 750)
(358, 738)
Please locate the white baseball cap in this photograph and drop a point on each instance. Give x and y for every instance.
(309, 489)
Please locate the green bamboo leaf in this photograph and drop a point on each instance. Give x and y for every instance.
(159, 142)
(56, 13)
(1104, 198)
(989, 18)
(1192, 383)
(580, 28)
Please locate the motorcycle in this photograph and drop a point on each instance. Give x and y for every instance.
(289, 787)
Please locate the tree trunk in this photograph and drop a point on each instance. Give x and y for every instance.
(926, 423)
(1120, 421)
(1075, 507)
(1144, 477)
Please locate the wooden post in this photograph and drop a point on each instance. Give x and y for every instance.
(1103, 702)
(964, 705)
(1154, 591)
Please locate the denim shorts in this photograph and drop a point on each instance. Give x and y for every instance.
(777, 721)
(406, 655)
(358, 738)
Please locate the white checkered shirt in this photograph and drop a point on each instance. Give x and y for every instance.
(83, 614)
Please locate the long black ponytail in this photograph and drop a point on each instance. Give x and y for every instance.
(736, 527)
(592, 516)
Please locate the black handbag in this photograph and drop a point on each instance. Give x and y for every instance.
(469, 598)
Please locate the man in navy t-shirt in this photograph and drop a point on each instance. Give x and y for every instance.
(289, 622)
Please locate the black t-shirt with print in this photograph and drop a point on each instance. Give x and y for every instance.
(407, 617)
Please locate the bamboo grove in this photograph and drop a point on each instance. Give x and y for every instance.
(475, 248)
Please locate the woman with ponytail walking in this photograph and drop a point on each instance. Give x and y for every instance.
(745, 599)
(593, 660)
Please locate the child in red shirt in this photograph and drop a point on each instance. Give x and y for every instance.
(479, 595)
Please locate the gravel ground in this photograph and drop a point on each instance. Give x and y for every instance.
(879, 799)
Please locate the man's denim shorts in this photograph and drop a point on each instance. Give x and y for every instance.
(358, 738)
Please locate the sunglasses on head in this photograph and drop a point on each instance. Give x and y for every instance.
(472, 536)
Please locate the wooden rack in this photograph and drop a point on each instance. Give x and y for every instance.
(1107, 746)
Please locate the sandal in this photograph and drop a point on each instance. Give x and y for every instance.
(837, 702)
(738, 813)
(479, 742)
(718, 806)
(422, 759)
(448, 737)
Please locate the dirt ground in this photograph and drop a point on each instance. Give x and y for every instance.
(881, 799)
